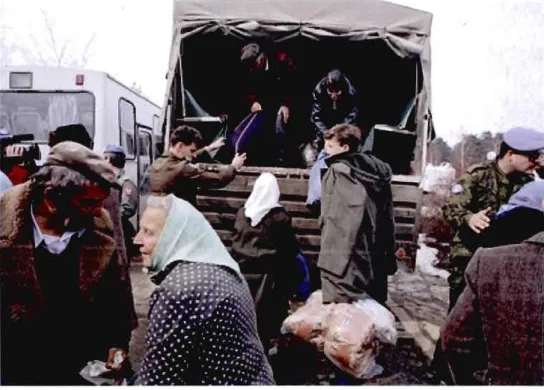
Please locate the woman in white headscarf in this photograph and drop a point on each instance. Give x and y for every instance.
(265, 246)
(202, 326)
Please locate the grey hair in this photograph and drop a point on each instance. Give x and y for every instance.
(160, 201)
(62, 180)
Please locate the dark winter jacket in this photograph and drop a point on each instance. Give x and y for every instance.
(267, 254)
(326, 113)
(513, 227)
(273, 87)
(358, 234)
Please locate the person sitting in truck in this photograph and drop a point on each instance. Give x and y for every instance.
(173, 173)
(269, 88)
(335, 101)
(358, 232)
(265, 247)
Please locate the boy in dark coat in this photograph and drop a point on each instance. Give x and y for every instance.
(358, 233)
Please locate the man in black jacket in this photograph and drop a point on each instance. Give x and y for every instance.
(335, 101)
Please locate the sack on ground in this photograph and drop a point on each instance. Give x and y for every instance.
(308, 321)
(350, 341)
(349, 334)
(383, 320)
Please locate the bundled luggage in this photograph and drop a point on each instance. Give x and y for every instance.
(349, 334)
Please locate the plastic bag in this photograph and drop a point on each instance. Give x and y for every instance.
(382, 318)
(350, 341)
(308, 321)
(349, 334)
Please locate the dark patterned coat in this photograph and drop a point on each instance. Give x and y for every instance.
(202, 330)
(495, 330)
(103, 315)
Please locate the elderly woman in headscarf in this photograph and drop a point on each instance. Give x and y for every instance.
(202, 326)
(266, 248)
(518, 220)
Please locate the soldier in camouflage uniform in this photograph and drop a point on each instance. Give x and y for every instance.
(477, 196)
(116, 157)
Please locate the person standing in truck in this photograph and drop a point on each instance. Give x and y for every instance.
(479, 194)
(358, 232)
(335, 101)
(269, 87)
(173, 173)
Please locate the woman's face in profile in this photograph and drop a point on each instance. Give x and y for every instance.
(148, 236)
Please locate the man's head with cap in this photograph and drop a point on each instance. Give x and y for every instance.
(75, 133)
(116, 156)
(71, 186)
(522, 147)
(336, 84)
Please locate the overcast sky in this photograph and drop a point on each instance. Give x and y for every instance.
(487, 55)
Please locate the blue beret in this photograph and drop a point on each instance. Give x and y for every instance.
(524, 139)
(115, 149)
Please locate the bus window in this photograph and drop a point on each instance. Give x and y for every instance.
(146, 146)
(127, 126)
(40, 112)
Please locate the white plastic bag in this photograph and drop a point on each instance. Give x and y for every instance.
(382, 318)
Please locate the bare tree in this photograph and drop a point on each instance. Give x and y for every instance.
(7, 48)
(48, 49)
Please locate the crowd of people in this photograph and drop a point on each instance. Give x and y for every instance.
(67, 243)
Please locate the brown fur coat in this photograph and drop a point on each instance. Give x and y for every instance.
(104, 285)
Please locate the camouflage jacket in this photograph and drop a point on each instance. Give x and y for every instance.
(481, 187)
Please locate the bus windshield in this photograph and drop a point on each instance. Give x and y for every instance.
(39, 113)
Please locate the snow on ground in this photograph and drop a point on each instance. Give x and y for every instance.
(425, 259)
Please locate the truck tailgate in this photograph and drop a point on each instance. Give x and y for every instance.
(220, 206)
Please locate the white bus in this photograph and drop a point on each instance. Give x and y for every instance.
(37, 100)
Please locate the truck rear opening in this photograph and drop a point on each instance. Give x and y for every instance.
(383, 48)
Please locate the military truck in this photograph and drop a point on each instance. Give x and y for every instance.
(384, 49)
